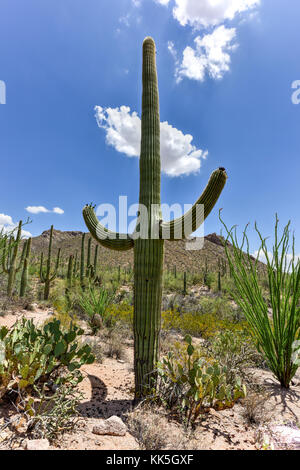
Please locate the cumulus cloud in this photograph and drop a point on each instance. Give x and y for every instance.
(42, 209)
(210, 55)
(123, 132)
(207, 13)
(162, 2)
(58, 210)
(8, 226)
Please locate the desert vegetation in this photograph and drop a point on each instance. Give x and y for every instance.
(214, 340)
(207, 344)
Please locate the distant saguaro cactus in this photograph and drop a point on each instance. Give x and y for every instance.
(82, 273)
(24, 277)
(46, 277)
(88, 259)
(184, 283)
(149, 249)
(221, 272)
(10, 264)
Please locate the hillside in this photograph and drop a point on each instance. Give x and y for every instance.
(176, 253)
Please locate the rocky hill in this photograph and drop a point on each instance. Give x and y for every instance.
(176, 252)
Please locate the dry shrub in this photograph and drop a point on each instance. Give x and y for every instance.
(153, 430)
(115, 344)
(254, 408)
(146, 427)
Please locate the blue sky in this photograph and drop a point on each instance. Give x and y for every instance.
(225, 79)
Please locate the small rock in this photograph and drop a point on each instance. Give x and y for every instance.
(97, 320)
(37, 444)
(287, 435)
(112, 426)
(120, 361)
(19, 425)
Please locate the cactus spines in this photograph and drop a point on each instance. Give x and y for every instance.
(149, 251)
(24, 276)
(45, 276)
(9, 259)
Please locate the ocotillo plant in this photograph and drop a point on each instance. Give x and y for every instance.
(24, 277)
(46, 277)
(9, 258)
(148, 241)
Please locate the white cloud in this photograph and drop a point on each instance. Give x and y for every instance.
(210, 56)
(163, 2)
(8, 226)
(123, 132)
(5, 220)
(36, 209)
(42, 209)
(58, 210)
(207, 13)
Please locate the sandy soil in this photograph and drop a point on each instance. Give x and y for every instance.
(108, 390)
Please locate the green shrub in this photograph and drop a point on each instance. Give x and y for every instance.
(276, 332)
(205, 325)
(235, 351)
(30, 355)
(94, 303)
(195, 385)
(121, 312)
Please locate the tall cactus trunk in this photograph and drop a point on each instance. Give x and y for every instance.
(82, 261)
(12, 255)
(148, 253)
(24, 277)
(46, 277)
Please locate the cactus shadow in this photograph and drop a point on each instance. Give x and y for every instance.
(288, 399)
(98, 406)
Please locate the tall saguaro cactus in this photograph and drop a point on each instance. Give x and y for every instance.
(149, 250)
(10, 263)
(24, 276)
(47, 277)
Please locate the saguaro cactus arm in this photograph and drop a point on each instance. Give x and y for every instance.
(107, 238)
(149, 250)
(183, 226)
